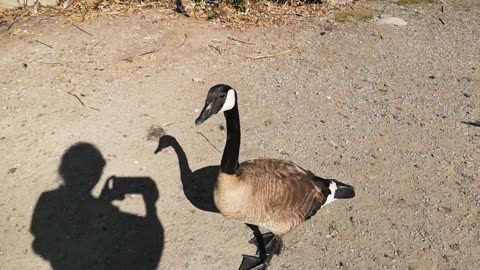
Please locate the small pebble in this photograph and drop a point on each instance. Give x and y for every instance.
(393, 21)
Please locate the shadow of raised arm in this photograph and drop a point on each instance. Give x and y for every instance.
(116, 188)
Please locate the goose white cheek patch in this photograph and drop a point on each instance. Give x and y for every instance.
(230, 102)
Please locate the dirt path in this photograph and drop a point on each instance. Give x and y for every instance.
(376, 106)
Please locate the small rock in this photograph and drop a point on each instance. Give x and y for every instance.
(333, 232)
(455, 247)
(12, 170)
(393, 21)
(198, 80)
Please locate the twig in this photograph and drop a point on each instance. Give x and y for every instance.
(209, 141)
(291, 14)
(476, 124)
(43, 43)
(82, 30)
(216, 48)
(271, 55)
(442, 21)
(81, 102)
(95, 45)
(149, 52)
(130, 58)
(241, 41)
(14, 21)
(185, 39)
(53, 64)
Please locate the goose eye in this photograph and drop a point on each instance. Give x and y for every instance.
(222, 95)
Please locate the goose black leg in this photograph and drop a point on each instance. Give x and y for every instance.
(252, 262)
(273, 244)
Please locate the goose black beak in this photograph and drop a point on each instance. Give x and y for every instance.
(205, 114)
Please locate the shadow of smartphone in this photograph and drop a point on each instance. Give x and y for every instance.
(116, 188)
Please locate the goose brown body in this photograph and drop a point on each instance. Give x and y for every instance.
(275, 194)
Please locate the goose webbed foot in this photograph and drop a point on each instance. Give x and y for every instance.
(253, 263)
(267, 245)
(273, 245)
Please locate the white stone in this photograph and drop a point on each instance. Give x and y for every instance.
(393, 21)
(20, 3)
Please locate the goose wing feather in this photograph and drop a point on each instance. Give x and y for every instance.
(283, 191)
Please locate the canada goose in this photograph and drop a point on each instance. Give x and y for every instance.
(274, 194)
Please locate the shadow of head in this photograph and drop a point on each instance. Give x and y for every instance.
(81, 167)
(165, 142)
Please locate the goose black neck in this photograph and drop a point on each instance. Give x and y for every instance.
(182, 157)
(231, 152)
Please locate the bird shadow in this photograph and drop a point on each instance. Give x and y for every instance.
(198, 186)
(73, 229)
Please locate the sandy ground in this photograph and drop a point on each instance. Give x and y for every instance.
(376, 106)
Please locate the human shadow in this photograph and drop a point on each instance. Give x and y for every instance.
(72, 229)
(198, 186)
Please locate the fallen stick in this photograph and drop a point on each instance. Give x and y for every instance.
(43, 43)
(209, 141)
(185, 39)
(168, 124)
(52, 64)
(14, 21)
(82, 30)
(81, 102)
(476, 124)
(217, 49)
(271, 55)
(241, 41)
(130, 58)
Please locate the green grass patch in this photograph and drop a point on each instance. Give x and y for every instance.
(414, 2)
(355, 15)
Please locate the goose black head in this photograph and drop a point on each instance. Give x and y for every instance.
(220, 98)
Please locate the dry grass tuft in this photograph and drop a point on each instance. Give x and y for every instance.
(241, 16)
